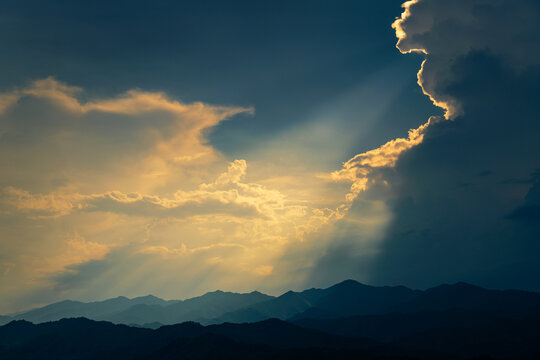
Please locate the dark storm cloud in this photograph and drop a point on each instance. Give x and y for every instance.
(460, 201)
(471, 232)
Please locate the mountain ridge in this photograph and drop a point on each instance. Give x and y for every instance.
(344, 299)
(448, 334)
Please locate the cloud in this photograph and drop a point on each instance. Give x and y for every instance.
(503, 28)
(184, 251)
(77, 250)
(480, 63)
(133, 102)
(73, 250)
(359, 169)
(42, 204)
(449, 220)
(143, 139)
(446, 30)
(7, 100)
(139, 169)
(237, 227)
(227, 195)
(135, 179)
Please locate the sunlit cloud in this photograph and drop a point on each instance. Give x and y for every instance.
(156, 191)
(132, 102)
(7, 100)
(227, 195)
(426, 27)
(358, 169)
(185, 251)
(161, 138)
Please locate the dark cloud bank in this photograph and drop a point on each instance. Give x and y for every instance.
(450, 222)
(466, 203)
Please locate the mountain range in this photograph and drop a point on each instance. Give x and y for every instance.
(349, 320)
(348, 298)
(448, 334)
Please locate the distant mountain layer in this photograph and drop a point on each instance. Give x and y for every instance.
(350, 298)
(146, 310)
(91, 310)
(346, 299)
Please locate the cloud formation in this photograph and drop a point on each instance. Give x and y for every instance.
(133, 177)
(446, 30)
(156, 180)
(503, 28)
(227, 195)
(359, 169)
(133, 102)
(456, 206)
(142, 140)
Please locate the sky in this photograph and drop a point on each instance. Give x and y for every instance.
(178, 147)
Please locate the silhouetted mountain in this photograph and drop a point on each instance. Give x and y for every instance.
(493, 337)
(346, 298)
(153, 325)
(350, 298)
(285, 335)
(393, 327)
(502, 338)
(86, 339)
(70, 338)
(510, 334)
(466, 296)
(93, 310)
(211, 346)
(282, 307)
(207, 306)
(145, 310)
(461, 322)
(353, 298)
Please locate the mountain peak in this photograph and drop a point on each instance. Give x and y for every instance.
(348, 284)
(288, 294)
(147, 297)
